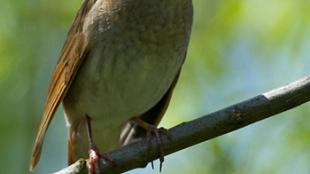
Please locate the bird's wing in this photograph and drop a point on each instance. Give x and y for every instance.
(75, 50)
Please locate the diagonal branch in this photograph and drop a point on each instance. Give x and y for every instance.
(204, 128)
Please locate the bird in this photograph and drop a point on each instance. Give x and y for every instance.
(117, 69)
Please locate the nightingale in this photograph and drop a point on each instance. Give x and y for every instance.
(121, 60)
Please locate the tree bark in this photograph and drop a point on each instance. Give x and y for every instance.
(207, 127)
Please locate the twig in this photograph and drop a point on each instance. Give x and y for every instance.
(207, 127)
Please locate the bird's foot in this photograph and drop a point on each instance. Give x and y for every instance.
(94, 153)
(158, 132)
(94, 160)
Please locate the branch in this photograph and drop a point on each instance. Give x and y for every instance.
(207, 127)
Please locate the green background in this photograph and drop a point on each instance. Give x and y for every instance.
(239, 49)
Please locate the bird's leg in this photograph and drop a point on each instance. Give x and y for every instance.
(151, 129)
(94, 153)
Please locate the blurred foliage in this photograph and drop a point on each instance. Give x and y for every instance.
(239, 48)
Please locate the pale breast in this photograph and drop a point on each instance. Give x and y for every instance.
(137, 49)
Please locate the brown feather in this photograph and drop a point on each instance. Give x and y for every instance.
(72, 55)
